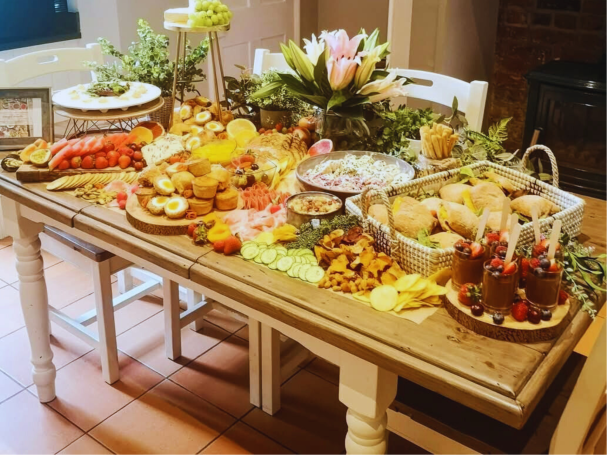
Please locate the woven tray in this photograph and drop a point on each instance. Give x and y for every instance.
(416, 258)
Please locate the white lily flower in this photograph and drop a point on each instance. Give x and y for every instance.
(314, 48)
(381, 89)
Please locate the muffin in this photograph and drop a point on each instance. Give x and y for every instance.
(201, 206)
(199, 167)
(227, 200)
(205, 187)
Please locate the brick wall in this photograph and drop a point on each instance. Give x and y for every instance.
(531, 33)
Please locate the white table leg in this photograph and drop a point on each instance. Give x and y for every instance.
(367, 390)
(193, 299)
(255, 362)
(33, 295)
(270, 369)
(172, 326)
(125, 280)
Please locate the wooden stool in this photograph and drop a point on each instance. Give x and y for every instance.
(102, 264)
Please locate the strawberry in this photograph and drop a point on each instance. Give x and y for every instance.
(491, 237)
(65, 164)
(524, 267)
(563, 296)
(496, 262)
(554, 266)
(534, 263)
(501, 250)
(519, 311)
(87, 162)
(509, 269)
(122, 204)
(191, 229)
(219, 246)
(504, 236)
(75, 162)
(477, 250)
(121, 196)
(538, 250)
(274, 209)
(469, 294)
(232, 245)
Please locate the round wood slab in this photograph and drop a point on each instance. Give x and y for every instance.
(144, 221)
(511, 329)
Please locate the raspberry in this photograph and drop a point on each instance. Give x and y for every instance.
(495, 263)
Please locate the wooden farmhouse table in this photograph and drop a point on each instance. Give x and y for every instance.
(500, 379)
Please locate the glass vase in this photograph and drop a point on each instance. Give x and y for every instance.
(346, 133)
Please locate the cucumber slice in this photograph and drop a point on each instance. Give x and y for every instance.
(291, 252)
(274, 265)
(282, 249)
(311, 259)
(250, 252)
(268, 256)
(285, 263)
(297, 260)
(301, 273)
(314, 274)
(294, 271)
(257, 258)
(247, 244)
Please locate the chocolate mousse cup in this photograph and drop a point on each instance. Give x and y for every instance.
(466, 270)
(542, 289)
(498, 290)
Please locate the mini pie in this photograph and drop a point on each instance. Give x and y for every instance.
(227, 200)
(201, 206)
(205, 187)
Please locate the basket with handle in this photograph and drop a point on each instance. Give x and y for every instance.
(416, 258)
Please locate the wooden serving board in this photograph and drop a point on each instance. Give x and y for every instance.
(511, 329)
(144, 221)
(28, 173)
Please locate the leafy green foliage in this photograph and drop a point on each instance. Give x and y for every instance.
(423, 237)
(308, 236)
(148, 62)
(277, 97)
(240, 89)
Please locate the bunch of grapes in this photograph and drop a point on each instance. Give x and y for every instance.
(209, 13)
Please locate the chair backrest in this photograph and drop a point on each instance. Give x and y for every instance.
(582, 423)
(40, 63)
(471, 96)
(264, 60)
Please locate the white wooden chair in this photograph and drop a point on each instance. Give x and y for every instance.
(102, 264)
(471, 96)
(264, 60)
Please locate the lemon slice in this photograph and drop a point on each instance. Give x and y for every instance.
(244, 137)
(40, 157)
(238, 125)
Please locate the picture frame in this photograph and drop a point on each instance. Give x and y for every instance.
(26, 114)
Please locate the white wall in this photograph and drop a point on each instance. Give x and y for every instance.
(351, 15)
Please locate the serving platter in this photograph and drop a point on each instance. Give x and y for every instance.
(312, 162)
(77, 98)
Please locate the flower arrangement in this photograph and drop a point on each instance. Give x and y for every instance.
(337, 73)
(148, 61)
(279, 100)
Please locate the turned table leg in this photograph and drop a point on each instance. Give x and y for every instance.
(33, 296)
(367, 391)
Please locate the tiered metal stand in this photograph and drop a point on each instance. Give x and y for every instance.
(182, 33)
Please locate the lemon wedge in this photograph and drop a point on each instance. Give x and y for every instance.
(244, 137)
(239, 125)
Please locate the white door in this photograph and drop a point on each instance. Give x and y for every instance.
(256, 24)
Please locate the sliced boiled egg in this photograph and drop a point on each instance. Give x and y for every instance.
(203, 117)
(192, 143)
(176, 207)
(164, 186)
(156, 205)
(215, 127)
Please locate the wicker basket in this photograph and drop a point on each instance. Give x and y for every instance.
(416, 258)
(163, 114)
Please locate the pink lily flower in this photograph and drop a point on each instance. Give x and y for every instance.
(344, 58)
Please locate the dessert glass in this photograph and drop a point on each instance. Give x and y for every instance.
(466, 270)
(499, 290)
(542, 289)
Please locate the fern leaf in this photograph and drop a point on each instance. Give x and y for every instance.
(498, 131)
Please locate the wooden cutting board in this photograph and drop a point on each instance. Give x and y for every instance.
(144, 221)
(28, 173)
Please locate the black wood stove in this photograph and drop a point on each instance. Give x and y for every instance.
(566, 106)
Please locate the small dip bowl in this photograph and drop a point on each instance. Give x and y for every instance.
(309, 205)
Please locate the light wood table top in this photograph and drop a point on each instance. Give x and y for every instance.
(500, 379)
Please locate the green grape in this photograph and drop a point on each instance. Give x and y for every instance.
(198, 5)
(191, 23)
(208, 22)
(204, 5)
(226, 18)
(215, 19)
(230, 13)
(220, 19)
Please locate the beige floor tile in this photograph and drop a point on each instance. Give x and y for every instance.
(328, 371)
(241, 438)
(11, 316)
(85, 445)
(145, 342)
(220, 376)
(15, 352)
(224, 321)
(85, 399)
(167, 419)
(125, 318)
(311, 419)
(27, 426)
(8, 387)
(8, 272)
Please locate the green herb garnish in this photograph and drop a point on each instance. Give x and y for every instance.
(109, 88)
(308, 236)
(423, 237)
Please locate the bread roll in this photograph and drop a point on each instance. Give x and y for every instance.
(458, 218)
(488, 195)
(524, 204)
(453, 192)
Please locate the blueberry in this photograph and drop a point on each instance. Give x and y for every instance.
(502, 243)
(490, 268)
(494, 243)
(498, 318)
(546, 315)
(501, 254)
(477, 309)
(496, 274)
(534, 316)
(254, 167)
(238, 172)
(467, 250)
(459, 247)
(500, 268)
(545, 264)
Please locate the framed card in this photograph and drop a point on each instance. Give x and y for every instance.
(26, 114)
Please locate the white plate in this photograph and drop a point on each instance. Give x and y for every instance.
(77, 98)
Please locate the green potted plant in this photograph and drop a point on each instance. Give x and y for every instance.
(279, 106)
(148, 61)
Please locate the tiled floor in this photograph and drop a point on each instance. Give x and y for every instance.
(199, 404)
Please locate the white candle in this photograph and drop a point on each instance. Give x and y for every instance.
(536, 225)
(554, 238)
(505, 213)
(514, 234)
(483, 222)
